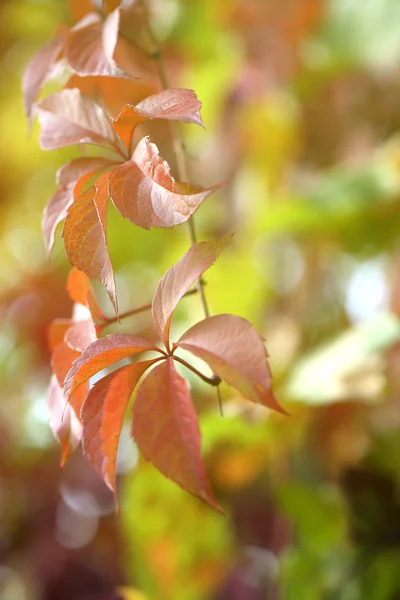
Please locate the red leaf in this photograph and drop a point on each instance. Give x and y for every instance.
(85, 239)
(62, 419)
(177, 280)
(144, 191)
(90, 46)
(103, 416)
(166, 430)
(235, 351)
(80, 290)
(68, 118)
(37, 70)
(175, 104)
(101, 354)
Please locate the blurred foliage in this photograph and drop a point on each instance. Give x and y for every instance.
(301, 100)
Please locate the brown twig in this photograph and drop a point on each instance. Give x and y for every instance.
(135, 311)
(214, 380)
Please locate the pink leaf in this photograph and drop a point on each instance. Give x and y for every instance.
(80, 335)
(173, 104)
(72, 172)
(37, 71)
(103, 416)
(235, 351)
(62, 419)
(54, 213)
(90, 47)
(166, 430)
(102, 354)
(177, 280)
(68, 117)
(85, 239)
(144, 191)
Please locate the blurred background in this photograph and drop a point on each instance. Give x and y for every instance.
(301, 102)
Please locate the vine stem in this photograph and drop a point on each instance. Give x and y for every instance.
(136, 311)
(179, 151)
(214, 380)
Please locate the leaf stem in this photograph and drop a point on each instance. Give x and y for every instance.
(135, 311)
(179, 151)
(177, 141)
(214, 380)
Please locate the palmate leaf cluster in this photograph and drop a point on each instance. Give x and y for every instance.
(142, 189)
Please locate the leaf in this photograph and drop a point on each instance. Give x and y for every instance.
(144, 191)
(235, 351)
(57, 330)
(166, 430)
(89, 49)
(85, 239)
(62, 359)
(126, 122)
(101, 354)
(55, 211)
(103, 416)
(80, 290)
(177, 280)
(37, 70)
(62, 420)
(68, 117)
(174, 104)
(80, 335)
(72, 172)
(72, 178)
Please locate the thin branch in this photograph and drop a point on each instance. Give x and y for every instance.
(180, 163)
(135, 311)
(176, 140)
(214, 380)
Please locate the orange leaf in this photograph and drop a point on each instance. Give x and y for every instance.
(57, 329)
(62, 419)
(166, 430)
(126, 122)
(72, 177)
(80, 290)
(235, 351)
(144, 191)
(68, 117)
(103, 353)
(176, 281)
(62, 360)
(85, 239)
(103, 416)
